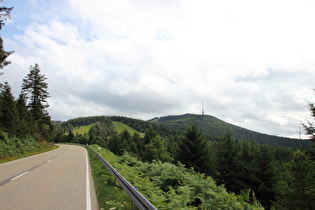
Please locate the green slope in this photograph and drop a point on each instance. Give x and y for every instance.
(120, 127)
(216, 128)
(168, 126)
(84, 129)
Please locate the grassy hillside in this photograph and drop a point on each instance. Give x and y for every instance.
(82, 129)
(120, 127)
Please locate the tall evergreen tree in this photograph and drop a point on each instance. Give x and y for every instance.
(156, 150)
(296, 189)
(228, 164)
(8, 115)
(70, 137)
(247, 163)
(265, 176)
(36, 86)
(193, 150)
(116, 145)
(25, 122)
(150, 134)
(136, 147)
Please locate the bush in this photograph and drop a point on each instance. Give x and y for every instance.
(13, 146)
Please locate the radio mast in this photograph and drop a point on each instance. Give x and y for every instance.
(202, 109)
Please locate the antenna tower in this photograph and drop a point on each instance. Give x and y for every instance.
(202, 109)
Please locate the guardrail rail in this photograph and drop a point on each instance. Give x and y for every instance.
(139, 200)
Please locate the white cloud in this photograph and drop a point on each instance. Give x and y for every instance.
(250, 61)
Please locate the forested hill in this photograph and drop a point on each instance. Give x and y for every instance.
(215, 128)
(175, 125)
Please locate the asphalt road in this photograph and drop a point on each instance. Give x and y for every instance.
(59, 179)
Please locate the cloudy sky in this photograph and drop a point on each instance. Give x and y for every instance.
(251, 62)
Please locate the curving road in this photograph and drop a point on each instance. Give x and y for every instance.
(59, 179)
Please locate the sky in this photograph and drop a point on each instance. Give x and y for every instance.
(250, 62)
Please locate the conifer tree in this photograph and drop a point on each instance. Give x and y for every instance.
(193, 150)
(136, 147)
(150, 134)
(115, 145)
(35, 87)
(156, 150)
(296, 189)
(25, 125)
(228, 165)
(9, 115)
(125, 140)
(70, 137)
(265, 176)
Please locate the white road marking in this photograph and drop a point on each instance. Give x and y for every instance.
(19, 176)
(48, 160)
(88, 190)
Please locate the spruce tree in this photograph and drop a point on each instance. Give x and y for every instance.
(34, 84)
(35, 87)
(150, 134)
(25, 125)
(296, 189)
(156, 150)
(265, 176)
(193, 150)
(228, 164)
(9, 115)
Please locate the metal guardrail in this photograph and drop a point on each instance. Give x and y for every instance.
(139, 200)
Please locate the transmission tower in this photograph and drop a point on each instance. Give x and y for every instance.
(202, 109)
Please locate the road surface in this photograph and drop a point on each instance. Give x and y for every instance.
(59, 179)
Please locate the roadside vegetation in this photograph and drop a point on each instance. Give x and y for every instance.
(166, 185)
(108, 191)
(25, 126)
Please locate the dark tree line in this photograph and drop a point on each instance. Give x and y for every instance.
(27, 115)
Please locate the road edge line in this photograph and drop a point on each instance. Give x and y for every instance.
(88, 188)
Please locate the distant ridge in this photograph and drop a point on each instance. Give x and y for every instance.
(215, 128)
(172, 126)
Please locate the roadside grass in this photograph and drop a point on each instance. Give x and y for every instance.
(109, 193)
(120, 127)
(43, 147)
